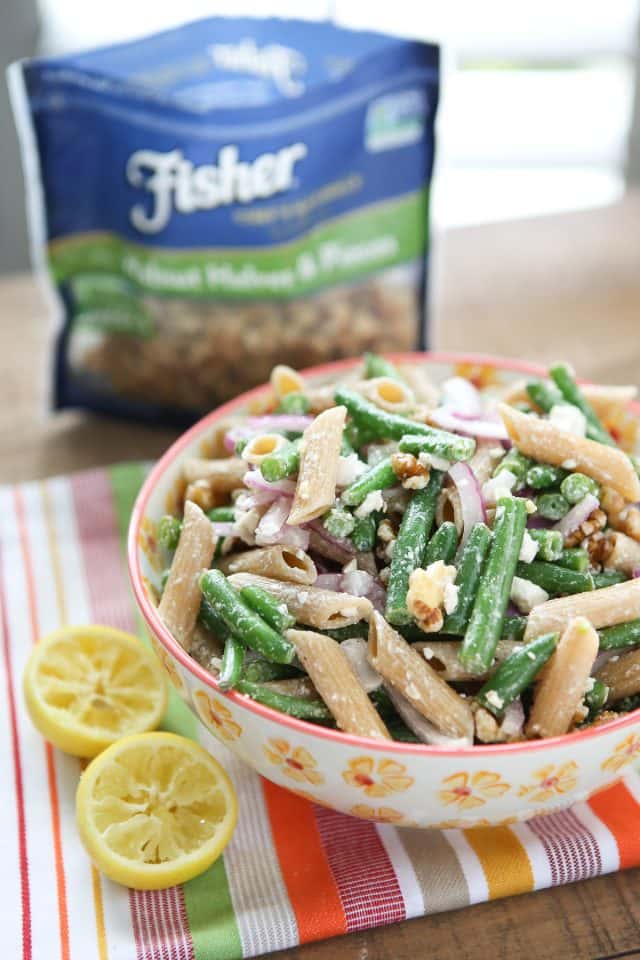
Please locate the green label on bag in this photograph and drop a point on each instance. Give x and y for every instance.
(343, 249)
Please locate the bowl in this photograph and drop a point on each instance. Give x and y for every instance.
(398, 783)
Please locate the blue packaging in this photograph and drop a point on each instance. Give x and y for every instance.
(225, 196)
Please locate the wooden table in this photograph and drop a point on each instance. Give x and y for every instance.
(565, 286)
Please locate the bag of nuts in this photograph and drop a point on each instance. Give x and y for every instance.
(226, 196)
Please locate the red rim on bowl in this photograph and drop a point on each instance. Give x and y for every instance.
(158, 629)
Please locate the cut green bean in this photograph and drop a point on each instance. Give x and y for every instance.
(275, 614)
(470, 565)
(221, 514)
(550, 544)
(242, 621)
(365, 531)
(442, 545)
(627, 704)
(360, 629)
(377, 366)
(516, 463)
(552, 506)
(232, 660)
(576, 486)
(383, 425)
(164, 576)
(555, 579)
(339, 522)
(622, 635)
(259, 670)
(514, 628)
(596, 698)
(314, 710)
(294, 402)
(169, 529)
(563, 378)
(516, 673)
(543, 475)
(544, 395)
(211, 619)
(379, 477)
(574, 558)
(487, 616)
(411, 544)
(608, 578)
(282, 463)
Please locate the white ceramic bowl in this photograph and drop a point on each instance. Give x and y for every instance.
(403, 784)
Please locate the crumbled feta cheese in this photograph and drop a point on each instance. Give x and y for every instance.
(430, 460)
(530, 507)
(385, 531)
(494, 698)
(569, 464)
(450, 597)
(427, 653)
(566, 417)
(529, 548)
(373, 501)
(500, 486)
(526, 595)
(416, 483)
(350, 566)
(496, 453)
(349, 469)
(589, 684)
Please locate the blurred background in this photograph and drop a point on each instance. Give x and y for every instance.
(539, 114)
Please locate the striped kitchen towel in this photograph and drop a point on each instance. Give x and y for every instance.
(294, 872)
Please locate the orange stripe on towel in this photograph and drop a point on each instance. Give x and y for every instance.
(504, 860)
(618, 809)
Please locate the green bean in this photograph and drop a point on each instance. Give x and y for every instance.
(346, 448)
(377, 366)
(399, 730)
(232, 660)
(379, 477)
(487, 616)
(383, 425)
(410, 547)
(550, 543)
(442, 545)
(294, 402)
(596, 698)
(627, 704)
(314, 710)
(621, 635)
(574, 558)
(221, 514)
(259, 670)
(357, 436)
(514, 628)
(576, 486)
(210, 618)
(169, 529)
(553, 578)
(544, 394)
(608, 578)
(516, 673)
(563, 378)
(164, 576)
(339, 522)
(275, 614)
(516, 463)
(543, 475)
(365, 531)
(552, 506)
(241, 620)
(472, 558)
(360, 629)
(282, 463)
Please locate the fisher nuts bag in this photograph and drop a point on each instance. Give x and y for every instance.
(226, 196)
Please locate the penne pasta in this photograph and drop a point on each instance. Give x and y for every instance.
(286, 380)
(560, 692)
(277, 562)
(442, 656)
(221, 476)
(541, 440)
(424, 389)
(323, 609)
(622, 675)
(410, 674)
(603, 608)
(181, 597)
(263, 446)
(622, 553)
(334, 679)
(388, 394)
(319, 458)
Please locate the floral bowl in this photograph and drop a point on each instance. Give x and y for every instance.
(399, 783)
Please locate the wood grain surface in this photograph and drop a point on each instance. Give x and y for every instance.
(554, 287)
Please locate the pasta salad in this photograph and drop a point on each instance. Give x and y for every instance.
(428, 563)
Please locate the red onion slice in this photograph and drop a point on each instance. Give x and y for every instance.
(329, 581)
(425, 731)
(472, 428)
(273, 528)
(577, 515)
(471, 501)
(460, 395)
(279, 488)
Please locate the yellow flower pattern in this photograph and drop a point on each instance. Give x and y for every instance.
(379, 814)
(148, 543)
(467, 791)
(377, 779)
(169, 667)
(295, 762)
(216, 716)
(550, 781)
(626, 751)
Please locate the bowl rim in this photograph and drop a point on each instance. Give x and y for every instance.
(158, 629)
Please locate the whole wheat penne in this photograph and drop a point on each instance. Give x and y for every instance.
(560, 692)
(286, 380)
(622, 676)
(300, 687)
(623, 553)
(334, 679)
(312, 606)
(222, 476)
(388, 394)
(410, 674)
(442, 655)
(277, 562)
(542, 441)
(319, 459)
(181, 598)
(424, 389)
(603, 608)
(482, 463)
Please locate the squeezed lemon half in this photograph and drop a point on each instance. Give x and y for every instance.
(85, 687)
(154, 810)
